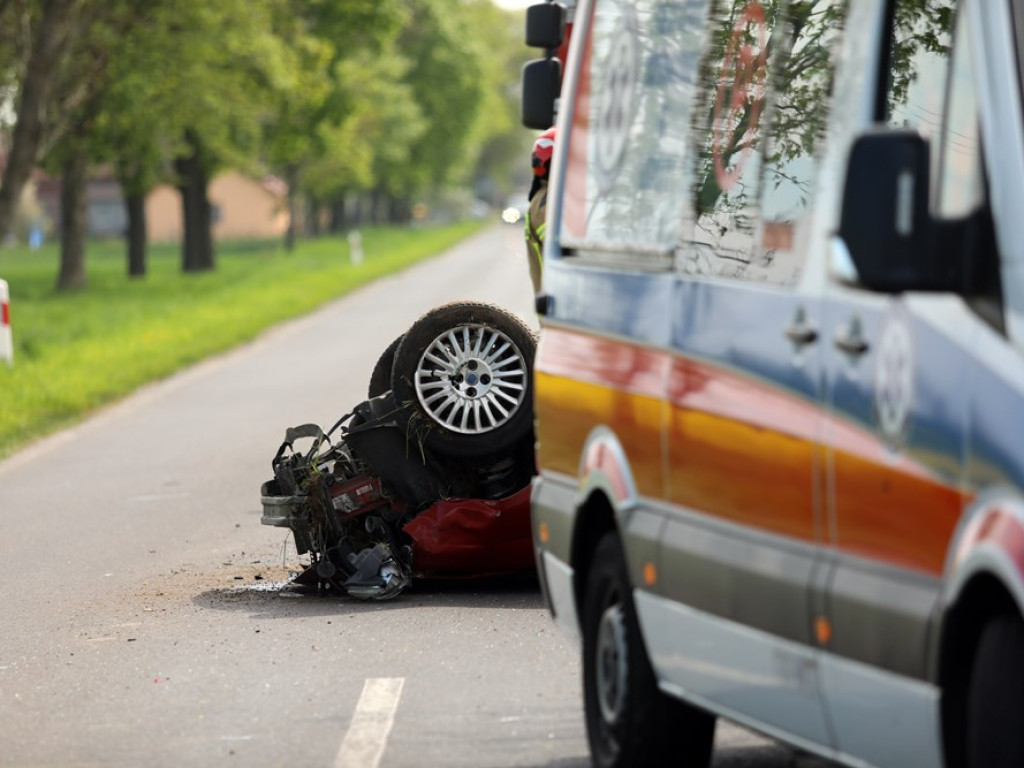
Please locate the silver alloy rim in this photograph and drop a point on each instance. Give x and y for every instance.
(471, 379)
(612, 663)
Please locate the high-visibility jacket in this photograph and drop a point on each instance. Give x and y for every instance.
(535, 226)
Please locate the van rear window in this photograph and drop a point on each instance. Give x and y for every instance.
(630, 123)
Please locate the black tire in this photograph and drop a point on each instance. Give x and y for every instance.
(995, 699)
(380, 378)
(465, 371)
(630, 721)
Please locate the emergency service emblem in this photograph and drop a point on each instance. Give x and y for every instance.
(894, 380)
(616, 96)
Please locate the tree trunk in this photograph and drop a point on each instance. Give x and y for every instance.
(399, 209)
(313, 208)
(72, 223)
(135, 205)
(35, 93)
(291, 177)
(338, 215)
(375, 206)
(197, 242)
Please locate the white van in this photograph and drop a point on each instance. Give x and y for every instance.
(780, 381)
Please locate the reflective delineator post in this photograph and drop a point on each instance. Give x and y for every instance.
(355, 247)
(6, 338)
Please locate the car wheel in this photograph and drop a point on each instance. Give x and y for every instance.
(995, 700)
(380, 378)
(466, 369)
(629, 720)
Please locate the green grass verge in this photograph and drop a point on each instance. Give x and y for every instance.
(73, 352)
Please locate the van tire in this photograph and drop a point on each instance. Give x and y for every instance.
(629, 720)
(995, 698)
(497, 377)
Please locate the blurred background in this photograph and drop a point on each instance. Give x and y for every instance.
(177, 176)
(158, 121)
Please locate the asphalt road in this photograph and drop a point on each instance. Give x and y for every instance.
(142, 619)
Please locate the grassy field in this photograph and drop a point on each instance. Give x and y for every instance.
(76, 351)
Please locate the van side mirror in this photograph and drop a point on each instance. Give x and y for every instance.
(542, 81)
(885, 222)
(545, 25)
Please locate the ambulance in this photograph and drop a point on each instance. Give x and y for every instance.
(779, 387)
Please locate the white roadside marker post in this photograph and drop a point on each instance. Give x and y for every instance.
(6, 338)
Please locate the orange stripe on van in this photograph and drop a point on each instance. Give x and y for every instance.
(740, 449)
(582, 382)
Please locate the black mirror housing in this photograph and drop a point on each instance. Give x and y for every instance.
(884, 221)
(545, 25)
(542, 81)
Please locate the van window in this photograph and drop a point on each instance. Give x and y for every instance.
(919, 67)
(801, 83)
(766, 91)
(629, 126)
(727, 139)
(961, 185)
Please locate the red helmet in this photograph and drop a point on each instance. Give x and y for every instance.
(542, 149)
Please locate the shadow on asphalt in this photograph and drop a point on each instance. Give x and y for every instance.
(281, 599)
(765, 756)
(761, 756)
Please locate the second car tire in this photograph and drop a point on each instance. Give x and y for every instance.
(464, 371)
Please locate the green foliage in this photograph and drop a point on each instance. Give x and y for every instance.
(503, 156)
(448, 83)
(74, 352)
(399, 97)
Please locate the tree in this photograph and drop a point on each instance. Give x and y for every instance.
(317, 117)
(502, 159)
(229, 62)
(52, 29)
(447, 83)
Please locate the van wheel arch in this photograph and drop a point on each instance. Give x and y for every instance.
(983, 600)
(594, 518)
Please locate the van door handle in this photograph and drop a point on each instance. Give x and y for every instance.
(850, 339)
(799, 332)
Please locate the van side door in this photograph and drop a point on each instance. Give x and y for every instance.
(898, 372)
(741, 545)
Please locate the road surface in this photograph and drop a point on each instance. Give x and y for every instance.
(143, 623)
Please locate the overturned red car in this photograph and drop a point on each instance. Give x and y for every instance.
(431, 474)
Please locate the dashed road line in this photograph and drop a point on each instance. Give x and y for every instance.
(363, 745)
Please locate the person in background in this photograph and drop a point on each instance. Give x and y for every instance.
(535, 214)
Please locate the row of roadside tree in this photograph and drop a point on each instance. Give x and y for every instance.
(390, 99)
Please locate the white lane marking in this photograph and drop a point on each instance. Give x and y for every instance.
(363, 745)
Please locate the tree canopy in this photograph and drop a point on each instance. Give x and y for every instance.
(335, 97)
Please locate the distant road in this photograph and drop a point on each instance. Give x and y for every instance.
(140, 624)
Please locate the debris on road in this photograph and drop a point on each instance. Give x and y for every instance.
(430, 475)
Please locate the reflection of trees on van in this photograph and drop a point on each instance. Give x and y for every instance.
(920, 27)
(770, 65)
(762, 116)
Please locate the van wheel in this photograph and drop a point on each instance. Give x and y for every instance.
(995, 700)
(629, 720)
(466, 370)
